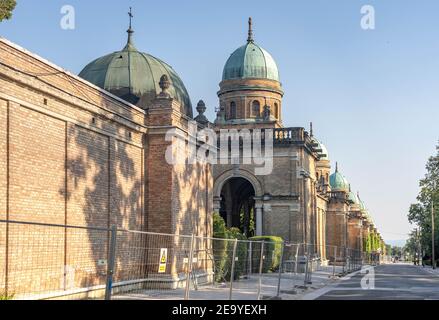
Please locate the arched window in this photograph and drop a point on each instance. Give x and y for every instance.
(256, 108)
(276, 111)
(233, 110)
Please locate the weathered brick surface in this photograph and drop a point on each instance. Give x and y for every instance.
(36, 193)
(83, 157)
(3, 188)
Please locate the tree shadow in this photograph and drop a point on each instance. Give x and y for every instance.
(104, 188)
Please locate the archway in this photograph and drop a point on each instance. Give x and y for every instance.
(238, 205)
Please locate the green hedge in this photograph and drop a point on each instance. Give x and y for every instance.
(223, 251)
(241, 253)
(220, 247)
(272, 253)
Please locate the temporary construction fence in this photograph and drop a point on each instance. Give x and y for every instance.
(53, 261)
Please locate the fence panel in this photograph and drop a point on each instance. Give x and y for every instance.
(48, 261)
(44, 261)
(150, 265)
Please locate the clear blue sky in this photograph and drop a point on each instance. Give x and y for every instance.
(372, 95)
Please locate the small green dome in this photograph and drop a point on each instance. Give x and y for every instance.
(353, 198)
(338, 182)
(251, 61)
(134, 76)
(363, 207)
(322, 151)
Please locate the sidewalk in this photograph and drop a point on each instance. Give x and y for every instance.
(430, 270)
(292, 288)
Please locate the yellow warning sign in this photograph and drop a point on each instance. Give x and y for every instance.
(163, 260)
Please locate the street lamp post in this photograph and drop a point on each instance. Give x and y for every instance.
(433, 260)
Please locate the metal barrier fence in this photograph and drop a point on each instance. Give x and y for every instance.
(50, 261)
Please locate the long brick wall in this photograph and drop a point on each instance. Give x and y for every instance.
(71, 153)
(64, 159)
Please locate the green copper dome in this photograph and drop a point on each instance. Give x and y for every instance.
(134, 76)
(353, 198)
(321, 148)
(338, 182)
(251, 61)
(324, 154)
(362, 205)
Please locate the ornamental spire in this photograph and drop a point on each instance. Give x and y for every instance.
(336, 167)
(130, 14)
(130, 32)
(311, 133)
(250, 31)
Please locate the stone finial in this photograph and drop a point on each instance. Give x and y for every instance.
(201, 109)
(164, 84)
(311, 133)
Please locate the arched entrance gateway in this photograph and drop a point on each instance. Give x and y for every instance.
(238, 199)
(238, 205)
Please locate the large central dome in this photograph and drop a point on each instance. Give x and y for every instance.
(251, 61)
(134, 76)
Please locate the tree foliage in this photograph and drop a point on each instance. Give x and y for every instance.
(6, 8)
(411, 245)
(420, 212)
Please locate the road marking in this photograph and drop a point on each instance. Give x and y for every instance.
(335, 286)
(320, 292)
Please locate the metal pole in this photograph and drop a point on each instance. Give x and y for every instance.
(261, 263)
(433, 258)
(280, 268)
(335, 259)
(344, 259)
(296, 257)
(305, 282)
(250, 258)
(232, 271)
(349, 260)
(189, 269)
(111, 259)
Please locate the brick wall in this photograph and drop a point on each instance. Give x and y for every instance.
(75, 156)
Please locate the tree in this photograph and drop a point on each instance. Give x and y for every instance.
(411, 246)
(389, 249)
(420, 212)
(6, 8)
(396, 251)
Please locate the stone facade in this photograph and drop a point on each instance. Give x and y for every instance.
(72, 153)
(296, 200)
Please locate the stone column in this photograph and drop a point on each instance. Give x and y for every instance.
(258, 208)
(216, 204)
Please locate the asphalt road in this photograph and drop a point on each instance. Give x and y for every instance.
(391, 282)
